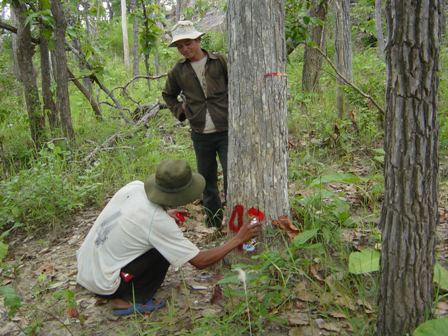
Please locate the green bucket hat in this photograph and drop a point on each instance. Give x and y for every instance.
(174, 184)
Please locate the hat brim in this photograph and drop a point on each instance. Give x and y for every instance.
(192, 193)
(190, 36)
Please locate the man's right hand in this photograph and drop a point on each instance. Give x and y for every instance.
(248, 230)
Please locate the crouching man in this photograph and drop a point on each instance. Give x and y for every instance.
(127, 252)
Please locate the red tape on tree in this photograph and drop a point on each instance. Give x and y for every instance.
(238, 210)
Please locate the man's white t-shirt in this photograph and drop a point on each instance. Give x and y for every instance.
(129, 226)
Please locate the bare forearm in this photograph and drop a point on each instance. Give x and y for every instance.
(209, 257)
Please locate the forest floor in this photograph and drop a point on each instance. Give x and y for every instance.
(47, 265)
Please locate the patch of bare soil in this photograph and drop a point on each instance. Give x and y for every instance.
(47, 266)
(41, 268)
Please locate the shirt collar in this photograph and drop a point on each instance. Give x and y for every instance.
(209, 55)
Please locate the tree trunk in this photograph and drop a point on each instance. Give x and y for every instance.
(258, 133)
(110, 11)
(25, 51)
(410, 212)
(15, 67)
(312, 59)
(47, 96)
(178, 9)
(124, 29)
(135, 51)
(379, 28)
(343, 51)
(60, 67)
(146, 51)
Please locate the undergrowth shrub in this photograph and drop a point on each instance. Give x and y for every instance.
(45, 193)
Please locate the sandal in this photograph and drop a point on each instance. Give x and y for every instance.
(146, 308)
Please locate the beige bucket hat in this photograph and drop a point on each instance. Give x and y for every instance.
(184, 30)
(174, 184)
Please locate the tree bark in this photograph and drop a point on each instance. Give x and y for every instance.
(343, 51)
(312, 60)
(110, 10)
(49, 105)
(146, 52)
(178, 9)
(410, 211)
(47, 96)
(124, 29)
(379, 28)
(135, 49)
(258, 132)
(25, 51)
(60, 67)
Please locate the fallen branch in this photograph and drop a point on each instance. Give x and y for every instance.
(346, 81)
(124, 88)
(151, 112)
(87, 94)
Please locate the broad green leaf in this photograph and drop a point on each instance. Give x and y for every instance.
(11, 299)
(335, 177)
(3, 251)
(303, 237)
(435, 327)
(441, 276)
(365, 261)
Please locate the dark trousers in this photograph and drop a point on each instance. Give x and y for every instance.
(207, 147)
(148, 271)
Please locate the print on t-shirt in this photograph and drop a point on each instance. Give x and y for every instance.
(105, 227)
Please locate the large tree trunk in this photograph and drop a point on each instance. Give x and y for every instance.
(312, 59)
(379, 28)
(25, 51)
(124, 29)
(343, 51)
(410, 212)
(258, 133)
(60, 67)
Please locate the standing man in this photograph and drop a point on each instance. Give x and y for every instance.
(200, 79)
(127, 252)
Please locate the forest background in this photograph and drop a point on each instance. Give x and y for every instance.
(79, 143)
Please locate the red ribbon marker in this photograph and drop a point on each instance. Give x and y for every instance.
(238, 210)
(126, 276)
(180, 218)
(275, 74)
(256, 213)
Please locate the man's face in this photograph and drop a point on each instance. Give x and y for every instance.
(188, 48)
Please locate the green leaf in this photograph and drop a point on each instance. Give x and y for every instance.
(366, 261)
(3, 251)
(303, 237)
(335, 177)
(11, 299)
(435, 327)
(441, 276)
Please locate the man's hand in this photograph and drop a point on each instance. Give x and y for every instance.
(209, 257)
(248, 230)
